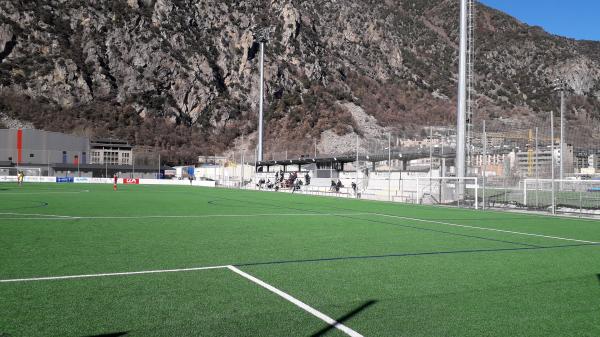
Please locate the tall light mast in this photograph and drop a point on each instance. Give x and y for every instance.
(461, 113)
(470, 77)
(263, 36)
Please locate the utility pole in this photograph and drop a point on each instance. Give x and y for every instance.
(158, 175)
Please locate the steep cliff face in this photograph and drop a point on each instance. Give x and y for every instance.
(185, 73)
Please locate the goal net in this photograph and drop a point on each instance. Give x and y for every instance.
(451, 191)
(579, 196)
(9, 174)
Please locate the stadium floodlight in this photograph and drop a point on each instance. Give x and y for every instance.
(462, 98)
(560, 86)
(263, 36)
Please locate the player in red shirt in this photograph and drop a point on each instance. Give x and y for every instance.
(115, 184)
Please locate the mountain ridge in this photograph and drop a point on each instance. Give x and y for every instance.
(183, 76)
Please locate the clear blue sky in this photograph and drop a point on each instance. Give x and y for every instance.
(578, 19)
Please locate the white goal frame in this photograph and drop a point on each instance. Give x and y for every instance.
(5, 171)
(425, 183)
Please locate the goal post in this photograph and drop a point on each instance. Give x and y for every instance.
(442, 191)
(10, 173)
(570, 195)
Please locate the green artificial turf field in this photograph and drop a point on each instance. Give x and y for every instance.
(379, 269)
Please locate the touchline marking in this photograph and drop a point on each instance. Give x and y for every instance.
(298, 303)
(41, 216)
(68, 217)
(67, 277)
(485, 228)
(36, 193)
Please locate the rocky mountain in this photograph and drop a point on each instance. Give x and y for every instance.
(182, 75)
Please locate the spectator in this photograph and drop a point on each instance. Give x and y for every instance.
(338, 186)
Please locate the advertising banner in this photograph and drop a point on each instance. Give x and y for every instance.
(8, 178)
(129, 181)
(65, 179)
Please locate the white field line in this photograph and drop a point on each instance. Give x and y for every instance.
(39, 216)
(67, 277)
(68, 217)
(298, 303)
(484, 228)
(21, 193)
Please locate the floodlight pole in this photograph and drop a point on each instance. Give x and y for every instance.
(260, 104)
(484, 163)
(430, 157)
(462, 97)
(243, 165)
(389, 166)
(356, 166)
(537, 172)
(562, 135)
(552, 157)
(430, 152)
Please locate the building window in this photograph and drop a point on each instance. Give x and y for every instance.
(64, 159)
(83, 158)
(125, 158)
(31, 155)
(95, 157)
(111, 157)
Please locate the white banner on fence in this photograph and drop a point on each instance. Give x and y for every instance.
(87, 180)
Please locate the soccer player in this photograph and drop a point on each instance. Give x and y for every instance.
(20, 178)
(115, 182)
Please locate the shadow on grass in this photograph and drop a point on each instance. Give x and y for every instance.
(344, 318)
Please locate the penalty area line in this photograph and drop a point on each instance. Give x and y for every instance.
(144, 272)
(332, 322)
(133, 217)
